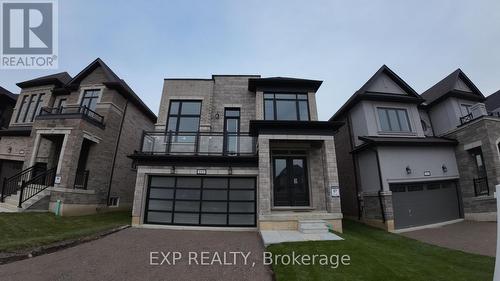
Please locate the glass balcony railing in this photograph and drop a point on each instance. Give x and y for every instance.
(198, 143)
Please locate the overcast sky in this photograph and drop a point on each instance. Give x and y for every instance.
(340, 42)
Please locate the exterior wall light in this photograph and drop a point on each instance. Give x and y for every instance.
(408, 170)
(217, 115)
(230, 170)
(172, 171)
(9, 150)
(445, 169)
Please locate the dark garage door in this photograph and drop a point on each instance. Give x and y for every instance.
(416, 204)
(201, 201)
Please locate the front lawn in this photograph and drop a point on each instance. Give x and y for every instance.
(378, 255)
(26, 230)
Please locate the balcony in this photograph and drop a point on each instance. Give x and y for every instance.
(69, 112)
(198, 143)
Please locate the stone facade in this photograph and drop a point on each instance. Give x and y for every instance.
(232, 91)
(482, 133)
(57, 141)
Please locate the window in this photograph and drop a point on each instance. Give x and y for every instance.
(22, 109)
(465, 109)
(38, 107)
(281, 106)
(29, 108)
(90, 98)
(394, 120)
(184, 116)
(114, 201)
(231, 130)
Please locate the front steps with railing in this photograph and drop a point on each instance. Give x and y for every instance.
(22, 191)
(11, 202)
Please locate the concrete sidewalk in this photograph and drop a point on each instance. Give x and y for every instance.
(126, 256)
(468, 236)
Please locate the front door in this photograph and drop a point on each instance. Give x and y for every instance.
(290, 181)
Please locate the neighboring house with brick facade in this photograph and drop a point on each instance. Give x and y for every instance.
(66, 147)
(457, 110)
(7, 103)
(409, 160)
(238, 151)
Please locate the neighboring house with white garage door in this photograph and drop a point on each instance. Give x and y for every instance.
(238, 151)
(393, 172)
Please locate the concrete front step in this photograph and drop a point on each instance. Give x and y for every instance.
(313, 226)
(11, 202)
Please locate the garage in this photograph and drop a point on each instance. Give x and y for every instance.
(416, 204)
(201, 201)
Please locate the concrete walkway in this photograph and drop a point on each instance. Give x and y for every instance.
(126, 256)
(467, 236)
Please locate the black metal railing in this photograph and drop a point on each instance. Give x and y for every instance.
(64, 111)
(198, 143)
(81, 179)
(14, 183)
(36, 185)
(481, 186)
(467, 118)
(494, 114)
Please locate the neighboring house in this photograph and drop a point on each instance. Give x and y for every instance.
(457, 110)
(393, 172)
(67, 144)
(7, 103)
(492, 103)
(238, 151)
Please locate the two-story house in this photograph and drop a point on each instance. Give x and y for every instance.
(457, 110)
(394, 172)
(68, 141)
(238, 151)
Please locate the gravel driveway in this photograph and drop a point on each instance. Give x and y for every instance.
(126, 256)
(468, 236)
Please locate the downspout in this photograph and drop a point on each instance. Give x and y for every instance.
(115, 153)
(381, 186)
(351, 134)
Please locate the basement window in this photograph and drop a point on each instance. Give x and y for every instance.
(114, 201)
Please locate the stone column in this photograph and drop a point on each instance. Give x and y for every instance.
(264, 188)
(331, 176)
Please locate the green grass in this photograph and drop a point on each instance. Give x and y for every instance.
(26, 230)
(379, 255)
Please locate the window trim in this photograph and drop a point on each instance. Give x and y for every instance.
(88, 88)
(296, 100)
(179, 115)
(379, 123)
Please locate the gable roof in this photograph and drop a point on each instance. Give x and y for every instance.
(6, 93)
(493, 101)
(113, 82)
(283, 83)
(364, 93)
(57, 79)
(448, 87)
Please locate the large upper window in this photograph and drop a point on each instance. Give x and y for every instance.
(184, 116)
(29, 108)
(393, 120)
(90, 98)
(281, 106)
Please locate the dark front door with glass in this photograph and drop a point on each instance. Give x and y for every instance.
(290, 182)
